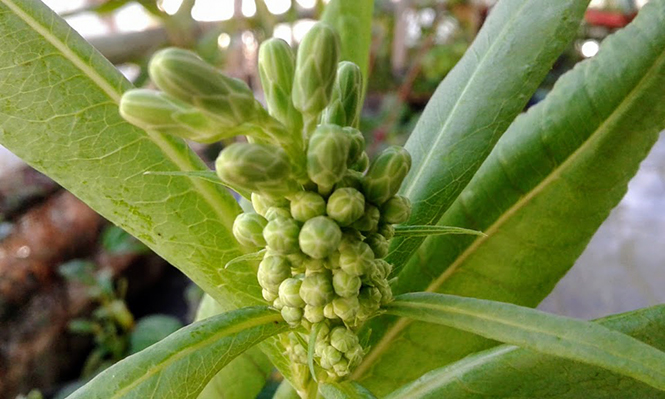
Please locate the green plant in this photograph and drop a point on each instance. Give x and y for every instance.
(522, 180)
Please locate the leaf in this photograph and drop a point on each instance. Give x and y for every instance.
(509, 372)
(352, 19)
(550, 182)
(246, 258)
(179, 366)
(424, 231)
(245, 376)
(550, 334)
(313, 334)
(344, 390)
(152, 329)
(476, 102)
(207, 175)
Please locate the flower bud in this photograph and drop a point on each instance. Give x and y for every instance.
(341, 368)
(314, 314)
(297, 261)
(319, 237)
(277, 303)
(346, 285)
(277, 67)
(351, 179)
(248, 229)
(384, 268)
(384, 289)
(356, 259)
(317, 289)
(316, 67)
(370, 219)
(272, 271)
(257, 167)
(312, 265)
(289, 293)
(269, 296)
(344, 106)
(327, 156)
(346, 205)
(387, 230)
(396, 210)
(329, 357)
(292, 315)
(261, 203)
(329, 312)
(281, 235)
(187, 77)
(275, 212)
(346, 308)
(385, 174)
(379, 245)
(362, 163)
(343, 339)
(356, 146)
(157, 111)
(306, 205)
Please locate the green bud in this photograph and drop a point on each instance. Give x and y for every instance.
(332, 263)
(327, 155)
(384, 288)
(329, 312)
(248, 229)
(272, 271)
(317, 289)
(370, 219)
(292, 315)
(383, 267)
(356, 146)
(314, 314)
(362, 163)
(306, 205)
(344, 107)
(269, 296)
(263, 168)
(356, 259)
(157, 111)
(341, 368)
(346, 285)
(343, 339)
(379, 245)
(330, 356)
(187, 77)
(277, 67)
(277, 304)
(387, 230)
(346, 308)
(396, 210)
(289, 293)
(316, 67)
(385, 174)
(319, 237)
(261, 203)
(297, 261)
(346, 205)
(312, 265)
(281, 235)
(351, 179)
(275, 212)
(320, 347)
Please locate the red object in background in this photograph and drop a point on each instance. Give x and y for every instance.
(610, 19)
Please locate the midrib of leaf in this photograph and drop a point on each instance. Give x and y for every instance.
(168, 149)
(402, 323)
(430, 154)
(185, 352)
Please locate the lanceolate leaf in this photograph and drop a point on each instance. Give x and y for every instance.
(179, 366)
(554, 335)
(477, 101)
(244, 376)
(59, 112)
(550, 182)
(345, 390)
(424, 231)
(207, 175)
(510, 372)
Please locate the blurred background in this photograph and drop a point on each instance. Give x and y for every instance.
(78, 294)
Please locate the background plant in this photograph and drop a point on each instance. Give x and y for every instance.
(558, 165)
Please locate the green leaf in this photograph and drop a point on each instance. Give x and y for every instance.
(476, 102)
(59, 112)
(207, 175)
(352, 19)
(550, 182)
(344, 390)
(150, 330)
(179, 366)
(245, 376)
(510, 372)
(251, 258)
(424, 231)
(550, 334)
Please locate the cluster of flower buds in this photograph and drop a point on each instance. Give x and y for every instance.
(323, 212)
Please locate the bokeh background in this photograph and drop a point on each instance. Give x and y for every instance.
(78, 294)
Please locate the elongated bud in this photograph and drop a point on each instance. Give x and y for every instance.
(344, 106)
(277, 67)
(362, 163)
(316, 67)
(320, 237)
(346, 205)
(157, 111)
(281, 235)
(327, 155)
(307, 205)
(357, 144)
(317, 289)
(263, 168)
(187, 77)
(396, 210)
(248, 229)
(385, 174)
